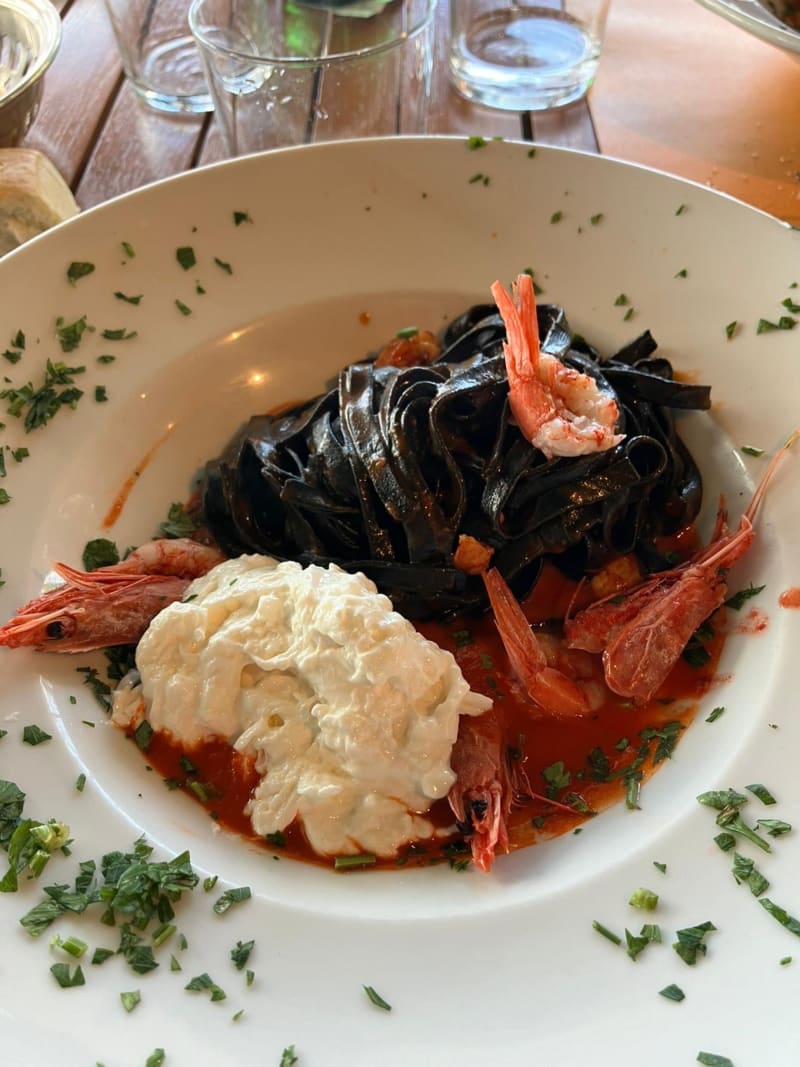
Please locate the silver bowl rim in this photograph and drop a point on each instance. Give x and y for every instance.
(51, 22)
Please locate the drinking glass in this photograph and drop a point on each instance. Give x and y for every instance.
(159, 55)
(285, 73)
(528, 56)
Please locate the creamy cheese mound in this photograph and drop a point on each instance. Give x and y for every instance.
(351, 714)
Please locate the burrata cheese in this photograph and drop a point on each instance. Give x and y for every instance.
(350, 713)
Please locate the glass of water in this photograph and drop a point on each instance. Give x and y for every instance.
(159, 55)
(526, 56)
(288, 72)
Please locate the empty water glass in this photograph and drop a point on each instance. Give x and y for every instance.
(285, 73)
(159, 55)
(528, 56)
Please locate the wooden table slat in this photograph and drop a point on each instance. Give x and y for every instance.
(135, 147)
(77, 89)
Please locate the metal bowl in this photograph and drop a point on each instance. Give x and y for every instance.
(30, 33)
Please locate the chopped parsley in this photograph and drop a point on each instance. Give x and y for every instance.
(34, 735)
(781, 915)
(762, 793)
(343, 863)
(69, 334)
(557, 216)
(186, 257)
(738, 600)
(725, 841)
(597, 219)
(37, 406)
(239, 217)
(715, 714)
(645, 899)
(129, 299)
(691, 942)
(231, 897)
(77, 270)
(130, 1000)
(288, 1057)
(660, 866)
(621, 301)
(127, 248)
(750, 450)
(785, 322)
(29, 844)
(204, 983)
(120, 334)
(681, 208)
(178, 523)
(67, 979)
(556, 777)
(609, 935)
(80, 782)
(672, 992)
(636, 944)
(183, 308)
(774, 827)
(377, 999)
(744, 871)
(683, 273)
(99, 552)
(156, 1058)
(731, 329)
(712, 1059)
(474, 143)
(240, 954)
(100, 394)
(223, 265)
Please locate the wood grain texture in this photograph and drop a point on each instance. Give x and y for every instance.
(78, 89)
(136, 146)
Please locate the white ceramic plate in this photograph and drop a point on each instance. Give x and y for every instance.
(479, 970)
(760, 19)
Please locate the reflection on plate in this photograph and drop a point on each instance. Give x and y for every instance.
(774, 21)
(408, 232)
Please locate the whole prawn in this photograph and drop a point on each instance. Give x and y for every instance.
(643, 635)
(111, 605)
(561, 411)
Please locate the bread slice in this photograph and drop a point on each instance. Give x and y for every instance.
(33, 196)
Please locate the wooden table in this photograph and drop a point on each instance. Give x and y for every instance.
(678, 89)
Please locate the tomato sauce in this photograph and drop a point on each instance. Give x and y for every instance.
(790, 598)
(584, 764)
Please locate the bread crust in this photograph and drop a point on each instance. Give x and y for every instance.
(33, 196)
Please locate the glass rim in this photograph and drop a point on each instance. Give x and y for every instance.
(200, 33)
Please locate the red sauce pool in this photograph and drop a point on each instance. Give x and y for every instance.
(595, 750)
(790, 598)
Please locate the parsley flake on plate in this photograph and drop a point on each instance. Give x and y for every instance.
(35, 735)
(672, 992)
(231, 897)
(377, 999)
(186, 257)
(77, 270)
(67, 979)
